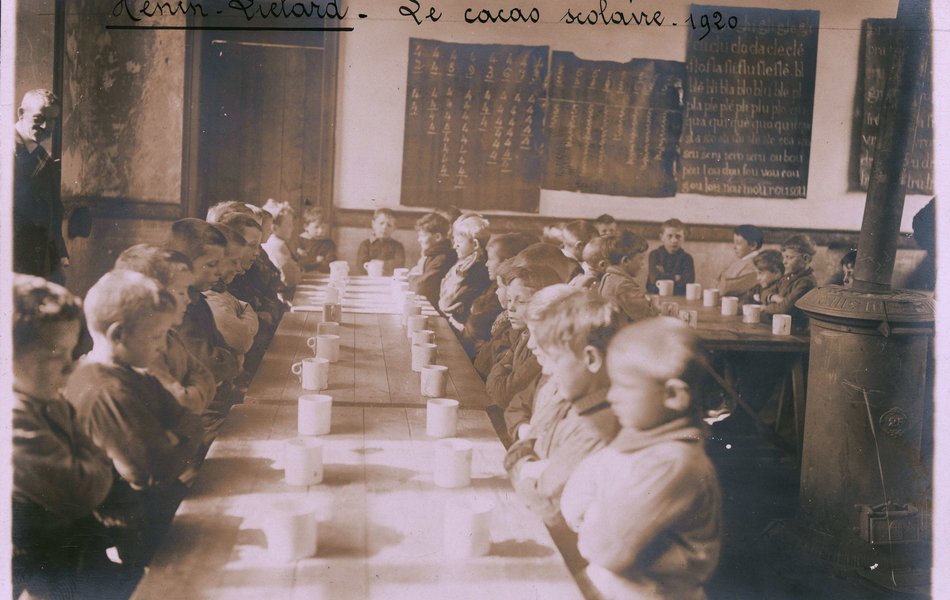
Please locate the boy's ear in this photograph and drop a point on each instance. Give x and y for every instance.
(808, 258)
(677, 395)
(115, 332)
(593, 359)
(477, 244)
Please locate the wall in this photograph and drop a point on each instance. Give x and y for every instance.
(34, 47)
(122, 134)
(370, 110)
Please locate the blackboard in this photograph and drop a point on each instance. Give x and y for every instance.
(877, 45)
(614, 128)
(474, 126)
(749, 100)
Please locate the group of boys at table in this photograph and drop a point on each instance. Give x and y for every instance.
(120, 396)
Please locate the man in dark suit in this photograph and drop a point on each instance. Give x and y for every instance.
(38, 245)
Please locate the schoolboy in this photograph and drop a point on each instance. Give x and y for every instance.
(381, 245)
(647, 508)
(620, 258)
(606, 225)
(485, 306)
(278, 245)
(151, 439)
(438, 256)
(468, 277)
(740, 275)
(235, 319)
(573, 334)
(517, 367)
(551, 256)
(205, 247)
(768, 272)
(60, 477)
(183, 375)
(798, 280)
(670, 261)
(575, 236)
(316, 250)
(847, 267)
(500, 340)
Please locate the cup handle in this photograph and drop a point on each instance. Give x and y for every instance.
(366, 266)
(312, 343)
(297, 368)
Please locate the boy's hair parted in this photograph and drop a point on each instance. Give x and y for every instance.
(583, 231)
(161, 264)
(233, 236)
(769, 260)
(190, 237)
(605, 219)
(536, 277)
(622, 245)
(126, 298)
(387, 212)
(473, 227)
(660, 348)
(37, 304)
(279, 210)
(673, 224)
(752, 234)
(800, 243)
(433, 223)
(221, 209)
(576, 320)
(508, 245)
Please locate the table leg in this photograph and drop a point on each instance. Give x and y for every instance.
(798, 398)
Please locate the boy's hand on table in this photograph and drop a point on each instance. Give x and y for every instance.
(523, 430)
(532, 469)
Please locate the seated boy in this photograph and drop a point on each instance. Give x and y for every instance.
(768, 272)
(606, 225)
(485, 306)
(799, 279)
(468, 277)
(316, 250)
(847, 267)
(60, 477)
(517, 367)
(573, 335)
(739, 276)
(438, 257)
(205, 247)
(235, 319)
(670, 261)
(647, 508)
(619, 258)
(278, 245)
(381, 246)
(151, 439)
(183, 375)
(575, 236)
(552, 257)
(500, 340)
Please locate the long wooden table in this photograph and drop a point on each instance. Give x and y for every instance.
(380, 518)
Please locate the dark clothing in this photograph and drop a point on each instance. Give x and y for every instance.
(500, 342)
(310, 249)
(664, 265)
(521, 407)
(791, 287)
(388, 250)
(38, 241)
(515, 370)
(477, 330)
(256, 287)
(439, 258)
(205, 342)
(130, 415)
(465, 281)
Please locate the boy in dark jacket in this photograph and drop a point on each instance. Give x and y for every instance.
(799, 279)
(468, 278)
(670, 261)
(438, 257)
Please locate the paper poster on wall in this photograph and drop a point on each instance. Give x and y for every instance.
(614, 128)
(474, 117)
(749, 98)
(877, 44)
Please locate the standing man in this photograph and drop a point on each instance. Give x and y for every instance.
(38, 245)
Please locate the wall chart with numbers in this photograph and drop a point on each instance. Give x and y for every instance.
(474, 125)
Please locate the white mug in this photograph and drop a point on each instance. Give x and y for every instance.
(303, 461)
(432, 382)
(423, 354)
(410, 310)
(291, 529)
(452, 467)
(374, 268)
(467, 528)
(326, 346)
(314, 373)
(690, 317)
(782, 324)
(694, 291)
(416, 323)
(751, 313)
(665, 286)
(332, 295)
(340, 266)
(711, 297)
(670, 309)
(332, 311)
(442, 417)
(730, 305)
(400, 273)
(423, 336)
(314, 412)
(328, 328)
